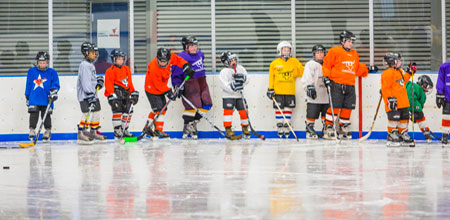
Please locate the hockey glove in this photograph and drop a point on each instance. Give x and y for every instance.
(134, 97)
(440, 100)
(100, 82)
(372, 69)
(326, 81)
(113, 101)
(180, 90)
(187, 69)
(412, 68)
(236, 86)
(240, 77)
(270, 93)
(311, 91)
(53, 96)
(90, 97)
(392, 103)
(170, 95)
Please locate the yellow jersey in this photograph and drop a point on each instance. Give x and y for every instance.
(282, 75)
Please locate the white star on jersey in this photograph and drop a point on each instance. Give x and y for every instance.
(39, 82)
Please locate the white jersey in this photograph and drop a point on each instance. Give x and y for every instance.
(313, 76)
(226, 78)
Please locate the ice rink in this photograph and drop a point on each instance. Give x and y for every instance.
(221, 179)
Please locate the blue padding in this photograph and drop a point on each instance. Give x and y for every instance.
(207, 107)
(201, 134)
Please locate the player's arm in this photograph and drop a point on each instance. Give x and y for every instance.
(362, 71)
(130, 81)
(328, 63)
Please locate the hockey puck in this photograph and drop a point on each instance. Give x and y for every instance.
(6, 167)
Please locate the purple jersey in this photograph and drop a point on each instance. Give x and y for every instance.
(197, 65)
(443, 81)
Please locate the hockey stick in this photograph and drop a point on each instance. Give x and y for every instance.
(248, 119)
(413, 106)
(40, 127)
(434, 135)
(122, 141)
(246, 112)
(332, 115)
(235, 137)
(284, 117)
(149, 126)
(365, 137)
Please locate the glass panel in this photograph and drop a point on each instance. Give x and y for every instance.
(252, 29)
(410, 27)
(104, 23)
(321, 22)
(24, 32)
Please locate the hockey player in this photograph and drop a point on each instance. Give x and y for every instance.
(396, 100)
(340, 66)
(87, 85)
(316, 92)
(156, 79)
(233, 83)
(423, 86)
(121, 94)
(42, 86)
(443, 99)
(196, 89)
(282, 74)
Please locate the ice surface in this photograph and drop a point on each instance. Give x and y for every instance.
(221, 179)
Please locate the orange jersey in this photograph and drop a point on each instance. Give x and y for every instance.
(393, 84)
(342, 66)
(118, 76)
(157, 78)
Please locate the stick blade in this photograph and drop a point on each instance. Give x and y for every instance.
(129, 139)
(27, 145)
(365, 137)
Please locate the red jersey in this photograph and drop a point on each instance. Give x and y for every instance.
(156, 78)
(118, 76)
(342, 66)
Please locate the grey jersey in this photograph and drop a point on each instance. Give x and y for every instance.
(226, 78)
(87, 80)
(313, 76)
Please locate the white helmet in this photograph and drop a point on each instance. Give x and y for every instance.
(283, 44)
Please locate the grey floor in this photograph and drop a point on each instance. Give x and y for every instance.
(220, 179)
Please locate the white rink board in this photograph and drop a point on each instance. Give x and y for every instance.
(14, 117)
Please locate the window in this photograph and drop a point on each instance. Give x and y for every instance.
(24, 32)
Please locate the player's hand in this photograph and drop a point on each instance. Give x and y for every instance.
(440, 100)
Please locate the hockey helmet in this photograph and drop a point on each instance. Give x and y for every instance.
(392, 59)
(426, 83)
(282, 45)
(163, 55)
(42, 56)
(115, 54)
(227, 57)
(346, 35)
(188, 40)
(87, 47)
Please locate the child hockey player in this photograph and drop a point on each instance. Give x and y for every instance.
(87, 85)
(316, 92)
(423, 86)
(156, 79)
(42, 86)
(396, 100)
(282, 74)
(340, 66)
(196, 89)
(443, 99)
(233, 82)
(121, 94)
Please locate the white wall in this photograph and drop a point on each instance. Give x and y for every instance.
(14, 117)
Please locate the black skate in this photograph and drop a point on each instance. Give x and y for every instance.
(393, 139)
(47, 135)
(280, 130)
(444, 140)
(161, 134)
(310, 132)
(407, 141)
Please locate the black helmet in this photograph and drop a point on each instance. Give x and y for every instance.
(163, 55)
(392, 58)
(425, 82)
(86, 47)
(227, 57)
(318, 47)
(347, 35)
(188, 40)
(115, 54)
(42, 56)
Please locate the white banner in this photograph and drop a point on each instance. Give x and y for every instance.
(108, 33)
